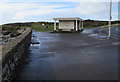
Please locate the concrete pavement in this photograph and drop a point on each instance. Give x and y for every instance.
(69, 56)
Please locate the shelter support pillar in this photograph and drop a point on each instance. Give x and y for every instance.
(76, 26)
(79, 25)
(82, 24)
(55, 25)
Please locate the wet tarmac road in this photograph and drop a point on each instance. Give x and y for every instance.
(70, 56)
(115, 31)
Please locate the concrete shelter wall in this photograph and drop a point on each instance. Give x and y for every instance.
(66, 24)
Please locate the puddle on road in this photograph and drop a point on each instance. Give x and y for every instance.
(45, 37)
(35, 46)
(98, 36)
(38, 56)
(93, 34)
(47, 55)
(116, 43)
(87, 31)
(35, 42)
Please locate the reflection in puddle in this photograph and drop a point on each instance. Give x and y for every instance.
(92, 33)
(45, 37)
(98, 36)
(89, 30)
(116, 43)
(47, 55)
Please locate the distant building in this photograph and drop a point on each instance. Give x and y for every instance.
(69, 24)
(43, 24)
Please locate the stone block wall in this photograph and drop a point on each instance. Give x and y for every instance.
(13, 51)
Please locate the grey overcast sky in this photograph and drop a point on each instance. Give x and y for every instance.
(45, 10)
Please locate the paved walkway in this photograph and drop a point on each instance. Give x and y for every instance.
(69, 56)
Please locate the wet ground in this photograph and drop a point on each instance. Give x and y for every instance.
(70, 56)
(115, 31)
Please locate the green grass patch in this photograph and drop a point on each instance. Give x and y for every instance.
(10, 29)
(113, 26)
(39, 27)
(89, 27)
(34, 26)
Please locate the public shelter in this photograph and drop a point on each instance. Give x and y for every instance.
(73, 24)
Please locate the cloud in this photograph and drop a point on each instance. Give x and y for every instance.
(12, 12)
(92, 9)
(36, 10)
(92, 0)
(58, 0)
(21, 11)
(4, 0)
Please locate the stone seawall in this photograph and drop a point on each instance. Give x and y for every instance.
(13, 51)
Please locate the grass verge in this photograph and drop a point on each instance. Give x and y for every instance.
(89, 27)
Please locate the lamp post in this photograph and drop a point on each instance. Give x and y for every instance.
(110, 17)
